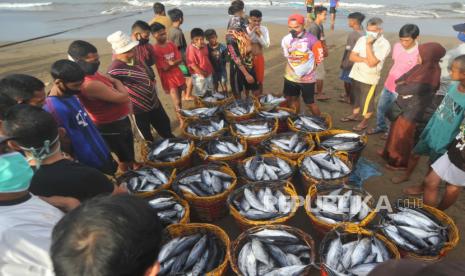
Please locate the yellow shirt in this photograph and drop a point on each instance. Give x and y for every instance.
(162, 19)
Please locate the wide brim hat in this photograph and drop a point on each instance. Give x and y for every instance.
(121, 42)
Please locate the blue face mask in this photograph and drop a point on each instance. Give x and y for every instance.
(15, 173)
(461, 36)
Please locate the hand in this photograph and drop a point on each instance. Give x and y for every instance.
(203, 73)
(249, 79)
(371, 40)
(171, 62)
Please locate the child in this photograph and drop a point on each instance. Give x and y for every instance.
(218, 54)
(168, 58)
(199, 64)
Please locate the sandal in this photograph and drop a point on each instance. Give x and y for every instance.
(322, 97)
(349, 119)
(374, 131)
(359, 128)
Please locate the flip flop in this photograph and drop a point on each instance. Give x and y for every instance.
(373, 131)
(392, 168)
(359, 128)
(348, 119)
(322, 97)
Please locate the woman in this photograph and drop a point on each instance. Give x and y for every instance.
(416, 90)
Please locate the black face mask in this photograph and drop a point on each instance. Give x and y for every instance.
(143, 41)
(70, 92)
(89, 67)
(294, 34)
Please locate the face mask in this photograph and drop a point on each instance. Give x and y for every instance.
(70, 92)
(143, 41)
(461, 36)
(89, 67)
(372, 34)
(40, 154)
(294, 34)
(15, 173)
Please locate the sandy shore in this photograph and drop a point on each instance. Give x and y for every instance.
(35, 58)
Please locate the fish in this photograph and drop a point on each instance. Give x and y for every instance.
(204, 183)
(223, 147)
(169, 150)
(169, 209)
(213, 97)
(202, 112)
(261, 168)
(205, 128)
(271, 100)
(191, 255)
(288, 142)
(343, 142)
(325, 166)
(310, 123)
(253, 128)
(276, 113)
(241, 107)
(145, 179)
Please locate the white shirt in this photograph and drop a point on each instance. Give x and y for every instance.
(361, 71)
(25, 237)
(263, 40)
(445, 63)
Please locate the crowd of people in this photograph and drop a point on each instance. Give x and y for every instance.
(60, 212)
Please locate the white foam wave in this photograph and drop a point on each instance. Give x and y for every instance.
(413, 14)
(23, 5)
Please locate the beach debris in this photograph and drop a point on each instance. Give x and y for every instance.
(241, 107)
(310, 123)
(205, 182)
(145, 179)
(223, 147)
(259, 168)
(343, 142)
(271, 100)
(289, 142)
(205, 128)
(202, 112)
(169, 209)
(169, 150)
(325, 166)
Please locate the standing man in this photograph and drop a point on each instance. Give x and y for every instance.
(368, 56)
(260, 39)
(160, 15)
(303, 52)
(333, 4)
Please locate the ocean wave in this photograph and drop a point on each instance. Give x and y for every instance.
(23, 5)
(413, 14)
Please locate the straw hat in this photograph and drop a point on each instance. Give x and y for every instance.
(121, 42)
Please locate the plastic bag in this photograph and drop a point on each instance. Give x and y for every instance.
(364, 169)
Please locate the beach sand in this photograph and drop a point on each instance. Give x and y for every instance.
(36, 57)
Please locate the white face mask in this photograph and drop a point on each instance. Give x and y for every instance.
(372, 34)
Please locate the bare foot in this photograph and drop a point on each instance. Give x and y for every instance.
(414, 190)
(399, 179)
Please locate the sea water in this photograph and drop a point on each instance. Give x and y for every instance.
(25, 19)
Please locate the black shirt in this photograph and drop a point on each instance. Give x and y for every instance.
(456, 152)
(70, 179)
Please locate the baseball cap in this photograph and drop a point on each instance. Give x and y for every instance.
(296, 17)
(459, 27)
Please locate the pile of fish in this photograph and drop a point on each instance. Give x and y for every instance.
(415, 232)
(273, 253)
(271, 100)
(357, 257)
(202, 112)
(343, 142)
(144, 180)
(259, 168)
(207, 182)
(169, 210)
(191, 255)
(288, 142)
(325, 166)
(310, 123)
(341, 205)
(275, 113)
(262, 203)
(213, 97)
(205, 128)
(223, 147)
(254, 128)
(241, 107)
(169, 150)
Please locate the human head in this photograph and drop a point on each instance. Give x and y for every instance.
(320, 13)
(197, 37)
(457, 70)
(84, 54)
(159, 8)
(123, 46)
(236, 8)
(67, 76)
(355, 19)
(460, 28)
(5, 103)
(176, 15)
(211, 36)
(112, 235)
(255, 18)
(23, 89)
(158, 32)
(374, 25)
(408, 35)
(295, 24)
(140, 31)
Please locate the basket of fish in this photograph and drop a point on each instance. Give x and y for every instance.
(352, 250)
(240, 110)
(328, 206)
(318, 166)
(171, 153)
(194, 249)
(269, 102)
(279, 113)
(310, 124)
(199, 113)
(423, 233)
(266, 167)
(289, 144)
(254, 131)
(171, 209)
(263, 203)
(211, 99)
(204, 129)
(272, 250)
(206, 189)
(342, 140)
(224, 149)
(147, 180)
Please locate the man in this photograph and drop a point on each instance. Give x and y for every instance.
(160, 15)
(304, 53)
(107, 102)
(23, 89)
(316, 29)
(368, 56)
(260, 38)
(333, 4)
(107, 236)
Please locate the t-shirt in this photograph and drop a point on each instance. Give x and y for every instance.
(218, 57)
(333, 3)
(88, 146)
(172, 78)
(70, 179)
(162, 19)
(317, 30)
(456, 151)
(199, 57)
(144, 55)
(263, 40)
(303, 54)
(352, 39)
(404, 60)
(445, 63)
(361, 71)
(176, 36)
(26, 226)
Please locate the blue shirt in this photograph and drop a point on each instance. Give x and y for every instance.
(333, 3)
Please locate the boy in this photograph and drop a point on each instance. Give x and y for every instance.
(143, 52)
(23, 89)
(260, 38)
(199, 64)
(160, 15)
(168, 58)
(218, 54)
(316, 29)
(355, 20)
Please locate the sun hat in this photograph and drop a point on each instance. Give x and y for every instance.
(121, 42)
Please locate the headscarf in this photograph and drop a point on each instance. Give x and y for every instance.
(428, 72)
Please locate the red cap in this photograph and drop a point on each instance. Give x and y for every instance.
(296, 17)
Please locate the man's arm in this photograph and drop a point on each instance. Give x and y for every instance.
(265, 37)
(99, 91)
(371, 60)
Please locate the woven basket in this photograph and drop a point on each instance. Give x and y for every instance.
(244, 223)
(186, 217)
(290, 155)
(282, 122)
(200, 102)
(212, 136)
(326, 116)
(171, 174)
(180, 230)
(253, 141)
(353, 155)
(188, 119)
(308, 180)
(231, 118)
(208, 208)
(231, 160)
(349, 233)
(183, 162)
(243, 179)
(323, 189)
(237, 244)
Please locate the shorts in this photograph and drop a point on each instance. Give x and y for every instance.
(364, 96)
(119, 138)
(201, 84)
(295, 89)
(332, 10)
(220, 76)
(345, 76)
(259, 66)
(238, 82)
(448, 172)
(320, 71)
